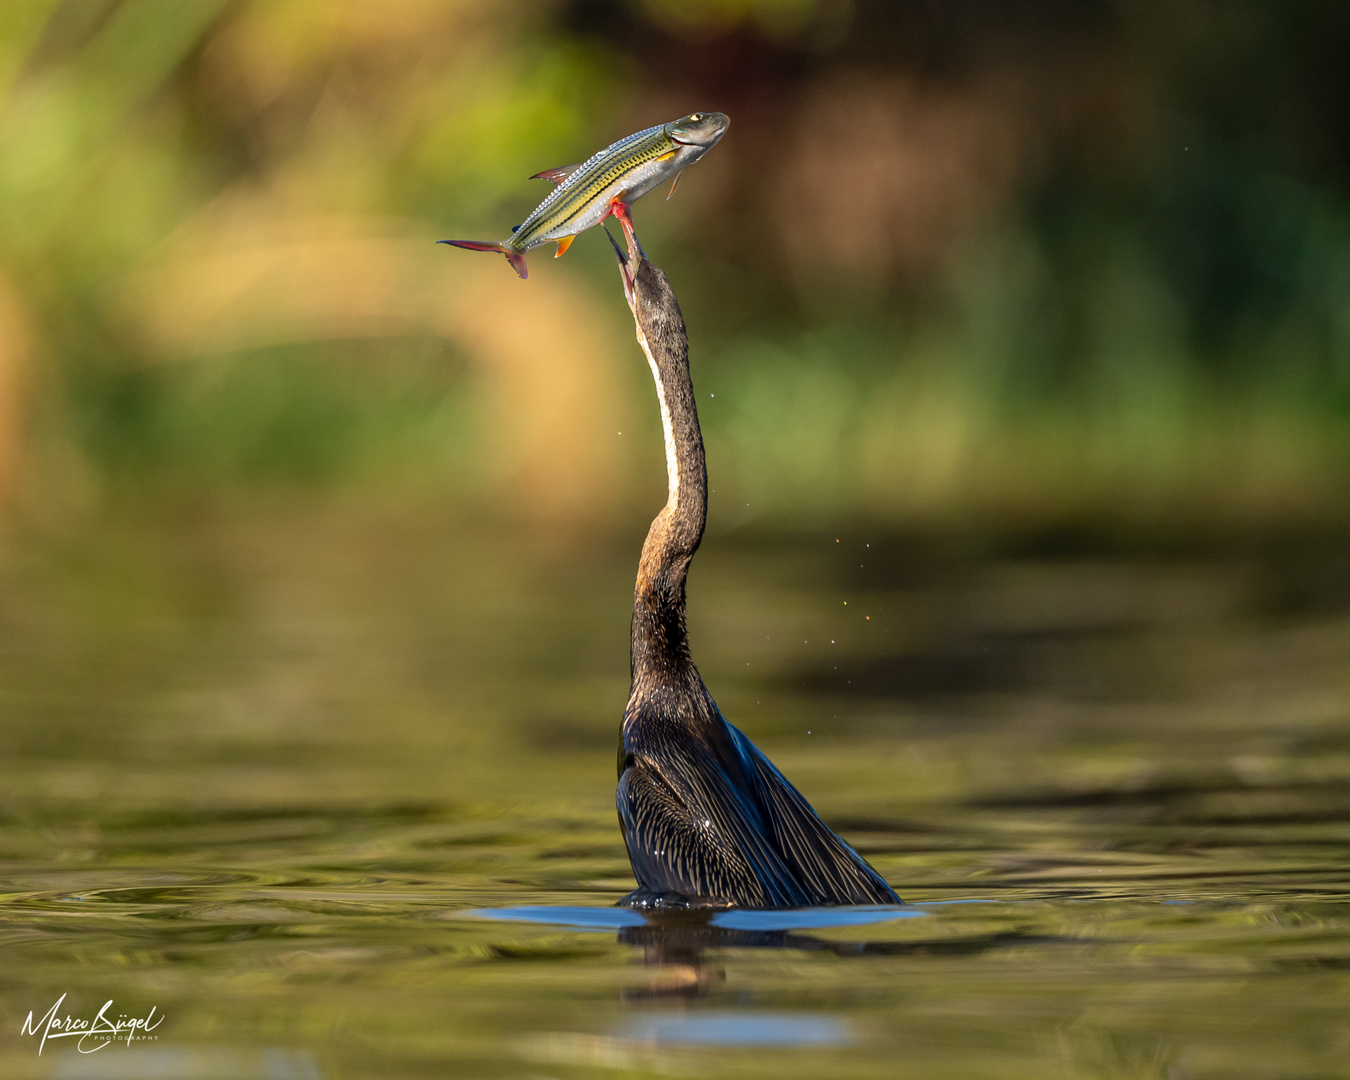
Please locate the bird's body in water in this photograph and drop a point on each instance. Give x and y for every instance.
(707, 818)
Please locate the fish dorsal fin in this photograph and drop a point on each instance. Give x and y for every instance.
(558, 175)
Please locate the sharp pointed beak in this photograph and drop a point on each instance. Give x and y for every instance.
(625, 274)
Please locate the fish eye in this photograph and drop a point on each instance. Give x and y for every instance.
(697, 116)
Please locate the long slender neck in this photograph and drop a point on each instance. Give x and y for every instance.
(659, 640)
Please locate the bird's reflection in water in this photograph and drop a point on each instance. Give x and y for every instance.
(677, 943)
(683, 947)
(686, 952)
(676, 946)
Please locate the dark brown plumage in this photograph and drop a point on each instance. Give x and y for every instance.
(707, 818)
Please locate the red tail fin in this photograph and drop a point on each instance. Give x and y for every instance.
(515, 258)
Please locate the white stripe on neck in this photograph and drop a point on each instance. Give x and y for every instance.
(672, 465)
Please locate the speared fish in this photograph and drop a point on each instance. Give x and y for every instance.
(606, 185)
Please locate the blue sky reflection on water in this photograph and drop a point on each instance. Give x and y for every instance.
(585, 918)
(725, 1028)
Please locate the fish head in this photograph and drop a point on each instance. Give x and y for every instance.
(701, 129)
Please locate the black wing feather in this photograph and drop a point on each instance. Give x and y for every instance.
(830, 871)
(691, 830)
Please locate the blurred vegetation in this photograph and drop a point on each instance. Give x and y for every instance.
(1013, 265)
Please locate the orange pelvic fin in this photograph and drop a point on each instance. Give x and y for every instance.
(674, 184)
(558, 175)
(515, 258)
(563, 245)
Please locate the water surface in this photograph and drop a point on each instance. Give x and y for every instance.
(332, 792)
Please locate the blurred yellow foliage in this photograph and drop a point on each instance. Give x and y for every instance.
(247, 274)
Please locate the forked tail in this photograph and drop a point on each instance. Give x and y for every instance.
(515, 258)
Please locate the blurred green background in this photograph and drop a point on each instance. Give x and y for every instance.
(971, 264)
(1021, 337)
